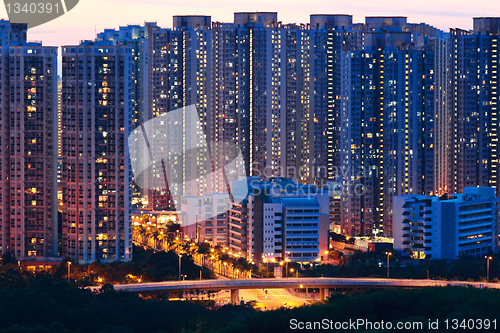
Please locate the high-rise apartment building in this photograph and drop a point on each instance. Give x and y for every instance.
(470, 150)
(137, 37)
(28, 146)
(171, 71)
(12, 32)
(97, 179)
(327, 36)
(392, 90)
(258, 97)
(189, 85)
(149, 46)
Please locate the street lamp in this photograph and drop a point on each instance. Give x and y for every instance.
(488, 258)
(388, 254)
(69, 270)
(286, 262)
(184, 276)
(180, 256)
(287, 253)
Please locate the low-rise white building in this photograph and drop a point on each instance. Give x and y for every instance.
(205, 218)
(447, 227)
(280, 220)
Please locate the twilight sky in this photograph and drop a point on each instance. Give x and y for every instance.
(89, 15)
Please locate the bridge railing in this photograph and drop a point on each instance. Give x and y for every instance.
(281, 283)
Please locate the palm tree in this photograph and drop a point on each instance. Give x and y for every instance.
(155, 233)
(161, 238)
(170, 240)
(177, 242)
(142, 233)
(149, 235)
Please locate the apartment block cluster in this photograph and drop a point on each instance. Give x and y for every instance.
(385, 107)
(87, 124)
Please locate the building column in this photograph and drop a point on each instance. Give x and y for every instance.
(323, 293)
(235, 296)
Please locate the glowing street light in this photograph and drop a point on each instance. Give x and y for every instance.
(180, 256)
(388, 254)
(488, 258)
(69, 270)
(287, 254)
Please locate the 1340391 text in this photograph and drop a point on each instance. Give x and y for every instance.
(33, 8)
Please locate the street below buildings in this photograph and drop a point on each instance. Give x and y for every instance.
(265, 299)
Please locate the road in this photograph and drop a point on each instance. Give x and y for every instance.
(273, 299)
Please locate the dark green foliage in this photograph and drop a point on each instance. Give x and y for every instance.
(367, 264)
(337, 237)
(389, 305)
(41, 305)
(148, 265)
(38, 304)
(44, 302)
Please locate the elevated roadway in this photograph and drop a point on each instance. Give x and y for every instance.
(288, 283)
